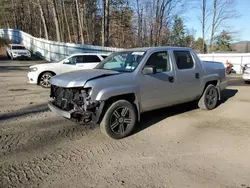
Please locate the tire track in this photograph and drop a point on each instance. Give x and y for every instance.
(29, 173)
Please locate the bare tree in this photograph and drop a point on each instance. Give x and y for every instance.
(139, 22)
(73, 22)
(55, 17)
(223, 10)
(43, 19)
(66, 20)
(203, 6)
(79, 22)
(105, 23)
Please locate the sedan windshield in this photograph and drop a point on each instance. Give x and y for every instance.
(18, 48)
(122, 61)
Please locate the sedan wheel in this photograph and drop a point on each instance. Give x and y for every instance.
(44, 80)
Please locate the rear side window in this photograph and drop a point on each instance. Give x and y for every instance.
(91, 59)
(183, 59)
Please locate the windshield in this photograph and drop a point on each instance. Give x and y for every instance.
(62, 58)
(122, 61)
(18, 48)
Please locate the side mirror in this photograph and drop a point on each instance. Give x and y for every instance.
(66, 61)
(149, 70)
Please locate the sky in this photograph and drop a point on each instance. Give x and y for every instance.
(241, 24)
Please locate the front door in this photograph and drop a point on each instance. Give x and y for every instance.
(188, 76)
(158, 90)
(70, 64)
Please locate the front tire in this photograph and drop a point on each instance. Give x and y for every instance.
(209, 99)
(119, 120)
(44, 79)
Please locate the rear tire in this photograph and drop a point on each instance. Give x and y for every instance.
(209, 99)
(119, 120)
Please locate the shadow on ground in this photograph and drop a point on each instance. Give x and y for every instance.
(11, 68)
(150, 118)
(25, 111)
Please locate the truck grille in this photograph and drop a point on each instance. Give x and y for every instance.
(63, 97)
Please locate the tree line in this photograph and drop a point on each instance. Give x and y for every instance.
(121, 23)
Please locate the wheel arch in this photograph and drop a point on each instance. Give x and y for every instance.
(130, 97)
(215, 83)
(40, 75)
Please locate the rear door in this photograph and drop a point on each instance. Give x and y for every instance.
(187, 74)
(89, 62)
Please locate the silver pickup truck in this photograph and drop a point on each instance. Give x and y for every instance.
(130, 82)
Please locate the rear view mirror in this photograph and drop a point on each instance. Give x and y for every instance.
(149, 70)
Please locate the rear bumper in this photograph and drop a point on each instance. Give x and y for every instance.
(58, 111)
(17, 56)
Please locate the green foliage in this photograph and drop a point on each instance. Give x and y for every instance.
(223, 41)
(189, 41)
(199, 44)
(178, 32)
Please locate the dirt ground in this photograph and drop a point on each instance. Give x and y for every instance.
(175, 147)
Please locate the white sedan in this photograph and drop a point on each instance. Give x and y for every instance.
(40, 74)
(246, 75)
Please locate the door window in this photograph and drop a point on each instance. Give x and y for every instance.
(183, 60)
(160, 60)
(91, 59)
(74, 60)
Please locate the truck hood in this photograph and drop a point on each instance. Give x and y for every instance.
(80, 77)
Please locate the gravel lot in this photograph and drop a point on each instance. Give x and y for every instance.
(178, 147)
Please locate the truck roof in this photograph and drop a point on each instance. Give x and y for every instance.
(90, 53)
(158, 48)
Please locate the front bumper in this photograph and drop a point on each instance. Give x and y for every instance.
(32, 77)
(18, 56)
(58, 111)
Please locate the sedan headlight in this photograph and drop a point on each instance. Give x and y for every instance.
(33, 69)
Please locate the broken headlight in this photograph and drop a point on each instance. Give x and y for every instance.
(85, 92)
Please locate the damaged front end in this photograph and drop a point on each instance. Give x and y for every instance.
(75, 104)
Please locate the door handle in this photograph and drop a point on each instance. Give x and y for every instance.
(171, 79)
(197, 75)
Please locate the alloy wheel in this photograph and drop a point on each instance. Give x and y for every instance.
(120, 120)
(211, 98)
(44, 81)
